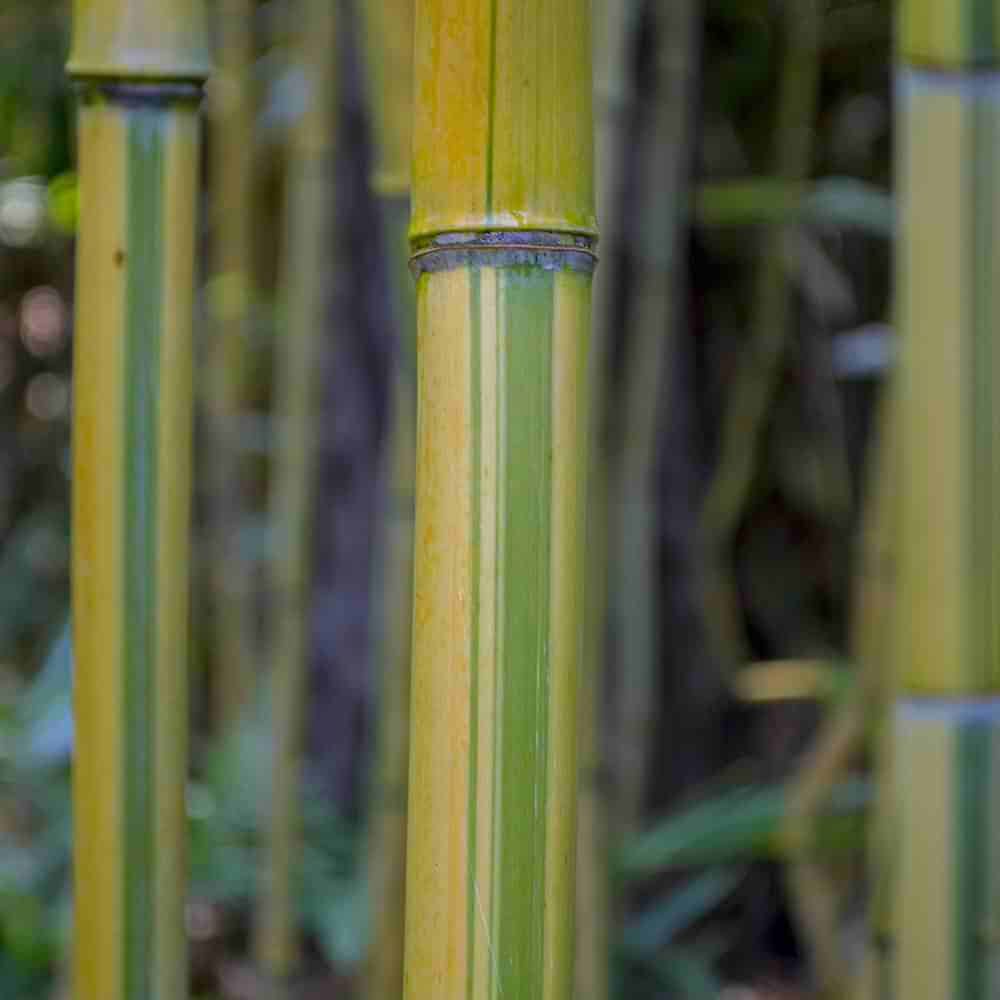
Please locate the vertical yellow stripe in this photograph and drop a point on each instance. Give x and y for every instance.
(97, 557)
(935, 394)
(570, 321)
(436, 942)
(174, 472)
(925, 750)
(485, 958)
(992, 126)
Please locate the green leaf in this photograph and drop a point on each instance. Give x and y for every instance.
(658, 924)
(843, 202)
(740, 824)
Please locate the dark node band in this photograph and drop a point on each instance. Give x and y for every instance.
(550, 251)
(144, 93)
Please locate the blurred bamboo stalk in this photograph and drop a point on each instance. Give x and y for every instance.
(140, 70)
(756, 380)
(843, 735)
(231, 119)
(389, 47)
(614, 98)
(309, 214)
(946, 644)
(667, 161)
(503, 232)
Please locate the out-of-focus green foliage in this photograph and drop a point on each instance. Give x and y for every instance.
(833, 202)
(227, 813)
(742, 823)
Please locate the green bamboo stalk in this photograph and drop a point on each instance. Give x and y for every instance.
(757, 378)
(389, 45)
(614, 97)
(946, 644)
(659, 296)
(503, 231)
(140, 70)
(308, 217)
(231, 121)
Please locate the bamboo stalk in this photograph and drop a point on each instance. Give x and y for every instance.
(502, 229)
(843, 735)
(659, 296)
(308, 217)
(233, 677)
(614, 96)
(946, 644)
(140, 70)
(389, 38)
(757, 378)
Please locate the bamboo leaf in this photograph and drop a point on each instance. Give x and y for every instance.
(841, 202)
(742, 823)
(661, 922)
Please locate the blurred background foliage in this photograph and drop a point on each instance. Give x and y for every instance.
(705, 904)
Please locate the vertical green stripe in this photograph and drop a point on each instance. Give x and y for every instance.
(972, 787)
(527, 304)
(143, 261)
(500, 330)
(979, 18)
(476, 472)
(979, 216)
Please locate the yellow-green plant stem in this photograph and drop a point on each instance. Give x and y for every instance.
(666, 167)
(231, 148)
(756, 380)
(389, 46)
(140, 69)
(308, 240)
(946, 643)
(843, 735)
(503, 231)
(613, 98)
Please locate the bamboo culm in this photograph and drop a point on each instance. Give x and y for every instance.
(667, 164)
(140, 70)
(945, 640)
(503, 231)
(614, 98)
(233, 677)
(308, 216)
(389, 45)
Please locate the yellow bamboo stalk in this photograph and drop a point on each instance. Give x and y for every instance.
(308, 239)
(140, 68)
(231, 108)
(389, 45)
(946, 642)
(503, 232)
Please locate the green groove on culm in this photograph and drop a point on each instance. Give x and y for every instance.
(500, 596)
(971, 782)
(475, 491)
(981, 23)
(980, 378)
(143, 260)
(526, 301)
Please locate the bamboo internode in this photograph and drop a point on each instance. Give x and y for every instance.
(503, 228)
(389, 44)
(946, 645)
(139, 66)
(308, 217)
